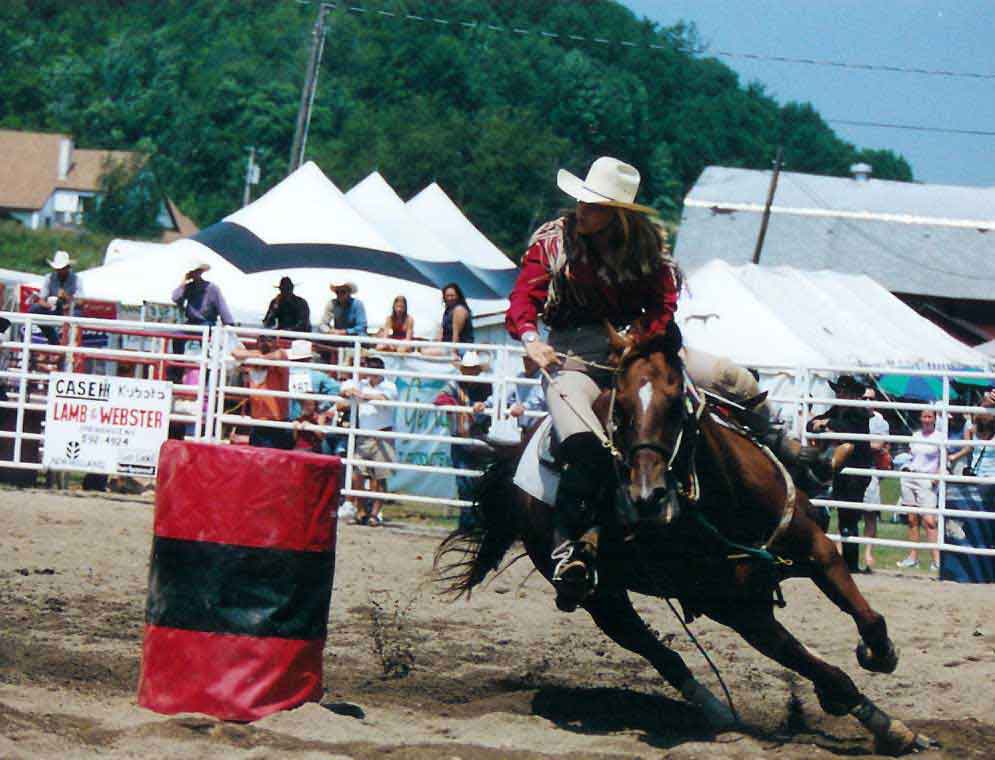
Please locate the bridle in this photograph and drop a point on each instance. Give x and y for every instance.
(684, 484)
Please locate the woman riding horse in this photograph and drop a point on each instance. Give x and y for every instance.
(603, 265)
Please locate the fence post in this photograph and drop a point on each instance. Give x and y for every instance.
(201, 425)
(806, 392)
(354, 415)
(22, 394)
(941, 501)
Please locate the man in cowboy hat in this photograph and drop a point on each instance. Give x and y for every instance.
(59, 291)
(604, 265)
(344, 314)
(201, 301)
(847, 419)
(288, 311)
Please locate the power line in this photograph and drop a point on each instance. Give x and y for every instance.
(853, 65)
(914, 127)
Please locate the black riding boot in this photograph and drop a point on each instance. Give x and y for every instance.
(585, 483)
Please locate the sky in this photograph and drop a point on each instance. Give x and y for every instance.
(948, 35)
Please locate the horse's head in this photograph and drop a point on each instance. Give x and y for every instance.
(653, 417)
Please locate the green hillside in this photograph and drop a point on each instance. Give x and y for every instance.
(488, 114)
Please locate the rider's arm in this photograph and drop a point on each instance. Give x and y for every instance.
(529, 294)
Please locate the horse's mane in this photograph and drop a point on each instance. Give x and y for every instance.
(669, 343)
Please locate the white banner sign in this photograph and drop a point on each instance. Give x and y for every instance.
(112, 425)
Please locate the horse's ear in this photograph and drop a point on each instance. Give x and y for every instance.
(673, 340)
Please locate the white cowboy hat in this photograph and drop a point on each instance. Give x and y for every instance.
(339, 285)
(299, 349)
(60, 261)
(609, 182)
(199, 265)
(471, 359)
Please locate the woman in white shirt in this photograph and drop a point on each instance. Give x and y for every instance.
(922, 493)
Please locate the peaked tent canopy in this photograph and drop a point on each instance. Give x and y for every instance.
(434, 208)
(305, 222)
(779, 316)
(383, 208)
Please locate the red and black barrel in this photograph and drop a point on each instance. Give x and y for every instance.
(240, 580)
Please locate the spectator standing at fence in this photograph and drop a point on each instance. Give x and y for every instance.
(371, 388)
(466, 424)
(264, 407)
(59, 291)
(857, 453)
(921, 492)
(201, 301)
(344, 314)
(399, 326)
(288, 311)
(881, 459)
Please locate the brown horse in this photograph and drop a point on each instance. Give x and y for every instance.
(714, 521)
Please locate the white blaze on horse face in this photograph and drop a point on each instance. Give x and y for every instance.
(646, 394)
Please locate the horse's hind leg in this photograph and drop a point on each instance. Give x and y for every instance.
(837, 693)
(614, 615)
(876, 651)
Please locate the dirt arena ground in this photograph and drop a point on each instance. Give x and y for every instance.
(501, 676)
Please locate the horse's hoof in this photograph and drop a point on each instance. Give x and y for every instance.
(718, 715)
(831, 707)
(878, 662)
(901, 740)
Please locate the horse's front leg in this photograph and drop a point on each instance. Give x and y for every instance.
(837, 693)
(615, 616)
(804, 539)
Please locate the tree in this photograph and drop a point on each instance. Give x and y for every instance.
(129, 201)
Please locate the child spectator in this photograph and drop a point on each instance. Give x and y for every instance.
(371, 388)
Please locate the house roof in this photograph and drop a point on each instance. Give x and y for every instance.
(918, 239)
(30, 163)
(185, 226)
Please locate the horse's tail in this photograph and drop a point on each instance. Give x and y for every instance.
(467, 554)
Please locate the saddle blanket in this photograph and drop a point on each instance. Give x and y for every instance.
(538, 480)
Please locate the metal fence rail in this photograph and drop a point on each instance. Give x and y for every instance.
(217, 393)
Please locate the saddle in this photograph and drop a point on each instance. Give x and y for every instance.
(538, 472)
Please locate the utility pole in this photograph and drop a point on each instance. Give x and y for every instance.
(770, 199)
(307, 93)
(251, 176)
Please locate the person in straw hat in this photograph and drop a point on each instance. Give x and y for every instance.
(288, 311)
(201, 301)
(605, 264)
(344, 314)
(59, 291)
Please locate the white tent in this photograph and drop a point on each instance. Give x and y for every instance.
(307, 208)
(119, 250)
(762, 316)
(436, 209)
(144, 277)
(296, 229)
(779, 317)
(376, 200)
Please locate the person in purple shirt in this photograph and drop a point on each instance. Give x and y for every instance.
(201, 301)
